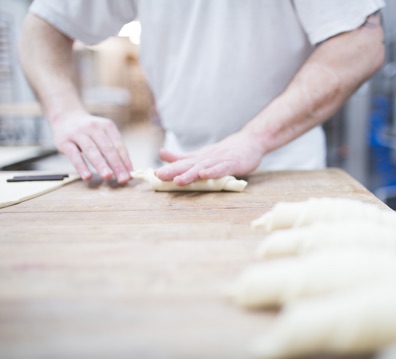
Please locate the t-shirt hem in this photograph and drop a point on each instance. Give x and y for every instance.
(68, 28)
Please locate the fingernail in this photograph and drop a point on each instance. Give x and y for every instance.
(85, 175)
(123, 177)
(106, 173)
(166, 173)
(179, 180)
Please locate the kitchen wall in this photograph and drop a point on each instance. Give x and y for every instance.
(13, 86)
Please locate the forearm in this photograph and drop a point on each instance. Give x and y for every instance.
(46, 56)
(332, 73)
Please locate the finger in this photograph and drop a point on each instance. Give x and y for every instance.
(74, 154)
(112, 156)
(189, 176)
(170, 157)
(216, 171)
(185, 171)
(92, 153)
(169, 172)
(116, 138)
(124, 154)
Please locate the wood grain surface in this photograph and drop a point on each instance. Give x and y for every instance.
(92, 271)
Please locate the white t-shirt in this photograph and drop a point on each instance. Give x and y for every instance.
(213, 65)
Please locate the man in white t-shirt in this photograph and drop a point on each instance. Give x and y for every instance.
(238, 85)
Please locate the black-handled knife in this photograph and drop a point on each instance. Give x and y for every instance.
(60, 177)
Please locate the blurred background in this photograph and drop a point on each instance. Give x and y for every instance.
(361, 137)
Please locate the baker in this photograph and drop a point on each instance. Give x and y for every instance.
(238, 85)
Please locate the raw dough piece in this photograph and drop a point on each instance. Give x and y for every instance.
(226, 183)
(298, 214)
(351, 322)
(325, 236)
(16, 192)
(283, 281)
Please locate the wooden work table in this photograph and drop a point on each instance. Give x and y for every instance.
(102, 272)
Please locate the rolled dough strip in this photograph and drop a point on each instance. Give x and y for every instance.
(16, 192)
(297, 214)
(353, 322)
(226, 183)
(280, 282)
(325, 236)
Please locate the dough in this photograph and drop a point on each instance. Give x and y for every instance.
(16, 192)
(283, 281)
(297, 214)
(326, 236)
(226, 183)
(351, 322)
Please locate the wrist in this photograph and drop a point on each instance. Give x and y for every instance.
(59, 111)
(278, 123)
(62, 103)
(256, 138)
(61, 115)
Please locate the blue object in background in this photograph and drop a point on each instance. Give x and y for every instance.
(384, 170)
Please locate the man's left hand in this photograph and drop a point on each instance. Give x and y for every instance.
(236, 155)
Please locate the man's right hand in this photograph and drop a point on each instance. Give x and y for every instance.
(46, 56)
(83, 137)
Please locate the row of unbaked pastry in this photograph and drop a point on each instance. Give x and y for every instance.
(330, 265)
